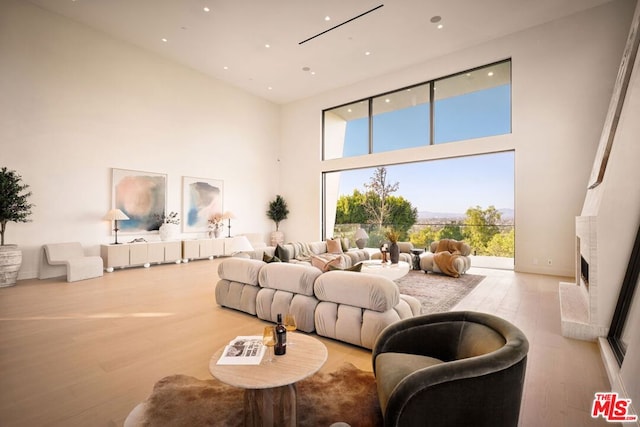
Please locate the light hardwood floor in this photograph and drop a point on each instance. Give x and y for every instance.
(85, 353)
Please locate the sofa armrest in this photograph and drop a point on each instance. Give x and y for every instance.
(368, 291)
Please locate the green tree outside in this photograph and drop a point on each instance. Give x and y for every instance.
(502, 244)
(452, 231)
(481, 226)
(424, 237)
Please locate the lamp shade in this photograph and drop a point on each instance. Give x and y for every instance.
(240, 244)
(115, 214)
(361, 234)
(228, 215)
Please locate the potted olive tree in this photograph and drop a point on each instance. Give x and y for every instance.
(14, 206)
(277, 212)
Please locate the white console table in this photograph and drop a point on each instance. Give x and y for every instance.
(144, 253)
(202, 248)
(210, 248)
(147, 253)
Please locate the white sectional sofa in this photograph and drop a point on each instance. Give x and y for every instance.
(306, 252)
(343, 305)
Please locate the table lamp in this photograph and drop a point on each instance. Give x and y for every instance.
(361, 238)
(229, 215)
(115, 215)
(239, 244)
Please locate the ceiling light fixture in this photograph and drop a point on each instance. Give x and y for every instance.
(367, 53)
(341, 24)
(206, 9)
(435, 19)
(490, 74)
(267, 45)
(327, 18)
(164, 40)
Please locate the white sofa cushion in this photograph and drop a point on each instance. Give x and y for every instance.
(240, 270)
(367, 291)
(284, 276)
(238, 285)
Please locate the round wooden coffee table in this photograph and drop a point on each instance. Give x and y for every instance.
(270, 392)
(388, 270)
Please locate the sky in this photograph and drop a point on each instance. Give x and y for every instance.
(449, 185)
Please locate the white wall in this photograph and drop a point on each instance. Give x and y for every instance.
(563, 75)
(76, 103)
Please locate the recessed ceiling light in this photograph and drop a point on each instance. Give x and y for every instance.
(164, 40)
(367, 53)
(206, 9)
(327, 18)
(270, 88)
(490, 73)
(267, 45)
(440, 26)
(225, 67)
(313, 73)
(349, 110)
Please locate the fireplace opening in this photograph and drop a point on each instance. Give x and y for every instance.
(584, 271)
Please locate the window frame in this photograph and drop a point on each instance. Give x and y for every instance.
(432, 83)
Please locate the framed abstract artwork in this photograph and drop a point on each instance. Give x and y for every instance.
(201, 198)
(142, 196)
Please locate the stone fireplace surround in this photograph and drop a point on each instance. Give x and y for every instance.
(579, 299)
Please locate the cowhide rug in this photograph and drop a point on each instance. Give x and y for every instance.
(347, 395)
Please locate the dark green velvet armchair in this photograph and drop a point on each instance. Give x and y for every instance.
(450, 369)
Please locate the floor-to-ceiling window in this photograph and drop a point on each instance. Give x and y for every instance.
(467, 198)
(461, 107)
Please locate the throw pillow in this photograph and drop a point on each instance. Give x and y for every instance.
(266, 258)
(345, 244)
(334, 247)
(324, 264)
(282, 253)
(357, 268)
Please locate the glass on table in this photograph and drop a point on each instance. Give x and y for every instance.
(269, 339)
(290, 325)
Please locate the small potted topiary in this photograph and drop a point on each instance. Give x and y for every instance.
(277, 212)
(14, 206)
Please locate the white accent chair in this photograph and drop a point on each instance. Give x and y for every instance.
(58, 258)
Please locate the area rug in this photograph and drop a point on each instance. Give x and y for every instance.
(348, 395)
(437, 292)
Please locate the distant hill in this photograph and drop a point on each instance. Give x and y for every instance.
(506, 214)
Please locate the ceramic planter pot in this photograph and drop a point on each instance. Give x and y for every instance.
(277, 237)
(168, 232)
(10, 262)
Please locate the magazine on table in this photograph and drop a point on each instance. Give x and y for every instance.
(243, 350)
